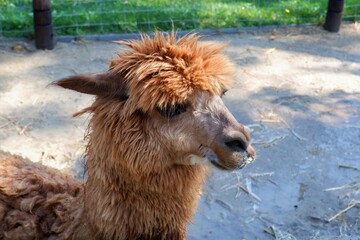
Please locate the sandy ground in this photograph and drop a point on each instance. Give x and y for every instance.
(297, 89)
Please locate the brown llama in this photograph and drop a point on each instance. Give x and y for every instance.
(157, 120)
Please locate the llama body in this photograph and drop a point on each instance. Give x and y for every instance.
(37, 202)
(44, 203)
(157, 121)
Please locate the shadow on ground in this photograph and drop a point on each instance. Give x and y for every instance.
(307, 146)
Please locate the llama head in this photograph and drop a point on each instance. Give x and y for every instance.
(159, 105)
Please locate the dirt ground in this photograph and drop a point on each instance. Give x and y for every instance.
(297, 89)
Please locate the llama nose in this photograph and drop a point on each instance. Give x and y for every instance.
(237, 142)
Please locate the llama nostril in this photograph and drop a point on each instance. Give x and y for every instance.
(237, 144)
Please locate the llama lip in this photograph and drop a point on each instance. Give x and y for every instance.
(222, 167)
(218, 165)
(242, 165)
(246, 159)
(209, 156)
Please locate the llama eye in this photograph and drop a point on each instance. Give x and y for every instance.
(223, 93)
(172, 111)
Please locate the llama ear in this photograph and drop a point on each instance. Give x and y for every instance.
(95, 84)
(87, 83)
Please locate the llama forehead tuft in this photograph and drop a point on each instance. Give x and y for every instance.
(163, 69)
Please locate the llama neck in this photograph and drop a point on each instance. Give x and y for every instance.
(160, 204)
(133, 190)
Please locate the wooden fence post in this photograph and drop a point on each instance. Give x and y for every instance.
(44, 36)
(333, 16)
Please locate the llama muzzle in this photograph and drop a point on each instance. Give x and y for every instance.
(233, 150)
(234, 159)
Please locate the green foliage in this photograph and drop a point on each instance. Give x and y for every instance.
(79, 17)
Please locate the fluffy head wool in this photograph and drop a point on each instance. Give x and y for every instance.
(163, 70)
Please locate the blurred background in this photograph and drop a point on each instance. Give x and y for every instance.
(72, 17)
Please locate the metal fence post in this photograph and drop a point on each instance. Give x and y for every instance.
(333, 16)
(44, 36)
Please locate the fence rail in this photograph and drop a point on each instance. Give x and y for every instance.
(79, 17)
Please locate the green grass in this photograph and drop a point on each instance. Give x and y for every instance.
(107, 16)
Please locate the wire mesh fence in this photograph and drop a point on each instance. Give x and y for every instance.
(79, 17)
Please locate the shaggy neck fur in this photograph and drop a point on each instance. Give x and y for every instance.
(143, 204)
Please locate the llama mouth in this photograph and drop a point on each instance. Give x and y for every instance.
(210, 157)
(218, 165)
(248, 158)
(245, 160)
